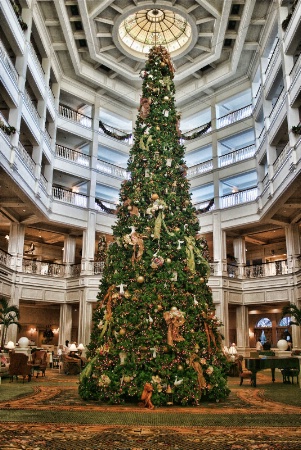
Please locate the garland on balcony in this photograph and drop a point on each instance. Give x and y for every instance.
(297, 129)
(7, 128)
(105, 208)
(16, 8)
(197, 133)
(112, 134)
(206, 209)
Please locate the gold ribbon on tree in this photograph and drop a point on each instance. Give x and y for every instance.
(174, 319)
(191, 250)
(109, 314)
(149, 140)
(194, 363)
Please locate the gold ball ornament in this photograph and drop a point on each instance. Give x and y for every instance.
(166, 98)
(140, 279)
(127, 294)
(187, 202)
(157, 128)
(130, 208)
(202, 280)
(122, 331)
(168, 261)
(155, 196)
(127, 379)
(180, 367)
(159, 307)
(162, 64)
(177, 229)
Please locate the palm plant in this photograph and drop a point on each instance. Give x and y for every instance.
(295, 313)
(9, 315)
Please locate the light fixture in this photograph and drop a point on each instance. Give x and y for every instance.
(10, 345)
(32, 331)
(232, 351)
(7, 237)
(56, 330)
(80, 347)
(72, 348)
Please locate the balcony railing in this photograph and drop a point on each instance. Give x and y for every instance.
(70, 197)
(237, 155)
(281, 158)
(198, 169)
(268, 269)
(30, 105)
(8, 63)
(5, 258)
(196, 132)
(276, 47)
(234, 116)
(112, 170)
(43, 182)
(26, 158)
(38, 66)
(238, 198)
(98, 267)
(75, 116)
(72, 155)
(43, 268)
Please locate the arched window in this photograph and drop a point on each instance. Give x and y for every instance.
(284, 322)
(264, 323)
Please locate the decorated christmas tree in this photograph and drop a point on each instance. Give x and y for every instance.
(155, 338)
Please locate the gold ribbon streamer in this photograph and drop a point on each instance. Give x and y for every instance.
(198, 368)
(191, 249)
(158, 224)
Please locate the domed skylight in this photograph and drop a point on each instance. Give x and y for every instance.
(148, 27)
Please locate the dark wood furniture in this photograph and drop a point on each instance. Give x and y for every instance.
(39, 362)
(18, 366)
(270, 362)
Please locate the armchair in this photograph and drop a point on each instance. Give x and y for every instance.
(39, 362)
(71, 366)
(243, 373)
(19, 366)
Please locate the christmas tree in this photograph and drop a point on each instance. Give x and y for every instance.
(155, 338)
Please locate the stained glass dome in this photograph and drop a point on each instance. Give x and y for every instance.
(148, 27)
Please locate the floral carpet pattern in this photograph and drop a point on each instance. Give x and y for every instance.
(48, 413)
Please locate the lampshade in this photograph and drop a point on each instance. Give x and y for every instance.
(72, 348)
(232, 349)
(80, 347)
(10, 345)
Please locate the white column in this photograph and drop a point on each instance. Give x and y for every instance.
(65, 323)
(88, 250)
(293, 247)
(219, 246)
(85, 321)
(239, 248)
(16, 245)
(242, 326)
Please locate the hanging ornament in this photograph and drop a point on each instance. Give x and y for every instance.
(166, 98)
(168, 162)
(122, 331)
(166, 113)
(157, 262)
(154, 196)
(104, 380)
(140, 279)
(122, 356)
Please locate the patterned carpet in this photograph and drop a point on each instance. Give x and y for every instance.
(48, 413)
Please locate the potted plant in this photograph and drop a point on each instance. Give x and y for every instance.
(9, 315)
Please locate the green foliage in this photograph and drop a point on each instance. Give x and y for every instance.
(155, 319)
(9, 315)
(293, 311)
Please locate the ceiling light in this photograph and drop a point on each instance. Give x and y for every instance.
(7, 237)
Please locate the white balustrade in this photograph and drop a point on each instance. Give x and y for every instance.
(238, 198)
(111, 169)
(70, 197)
(37, 63)
(72, 155)
(203, 167)
(8, 63)
(5, 258)
(31, 107)
(75, 116)
(238, 155)
(26, 158)
(281, 158)
(234, 116)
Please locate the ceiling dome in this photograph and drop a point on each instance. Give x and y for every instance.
(140, 31)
